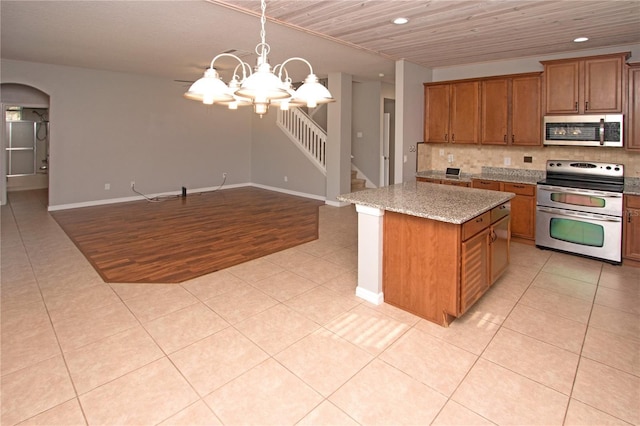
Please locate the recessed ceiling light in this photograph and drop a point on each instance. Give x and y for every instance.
(400, 21)
(580, 39)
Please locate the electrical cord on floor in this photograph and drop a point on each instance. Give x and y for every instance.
(154, 199)
(224, 179)
(168, 197)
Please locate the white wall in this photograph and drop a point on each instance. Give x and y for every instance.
(409, 117)
(109, 127)
(366, 128)
(274, 156)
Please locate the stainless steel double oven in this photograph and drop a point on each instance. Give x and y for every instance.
(579, 209)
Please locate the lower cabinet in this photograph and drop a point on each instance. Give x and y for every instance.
(631, 226)
(492, 185)
(523, 210)
(438, 270)
(523, 206)
(455, 183)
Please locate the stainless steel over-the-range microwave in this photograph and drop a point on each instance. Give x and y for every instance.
(584, 130)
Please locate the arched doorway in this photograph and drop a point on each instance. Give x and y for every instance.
(25, 161)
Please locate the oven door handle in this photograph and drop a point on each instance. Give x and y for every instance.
(579, 192)
(601, 132)
(581, 215)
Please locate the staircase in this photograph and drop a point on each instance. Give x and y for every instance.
(312, 141)
(357, 184)
(306, 134)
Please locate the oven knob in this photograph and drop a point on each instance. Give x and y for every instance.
(617, 169)
(608, 167)
(559, 164)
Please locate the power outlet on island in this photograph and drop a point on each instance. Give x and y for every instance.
(507, 161)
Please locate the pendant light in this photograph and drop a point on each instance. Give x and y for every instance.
(259, 86)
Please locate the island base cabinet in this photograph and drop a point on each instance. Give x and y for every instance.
(499, 244)
(475, 270)
(437, 270)
(421, 266)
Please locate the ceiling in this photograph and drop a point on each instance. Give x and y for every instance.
(177, 39)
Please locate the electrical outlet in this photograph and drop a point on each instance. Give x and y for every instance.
(107, 186)
(441, 152)
(507, 161)
(286, 179)
(133, 183)
(450, 158)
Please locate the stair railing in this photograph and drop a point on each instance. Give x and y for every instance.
(306, 134)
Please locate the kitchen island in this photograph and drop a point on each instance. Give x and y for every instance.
(430, 249)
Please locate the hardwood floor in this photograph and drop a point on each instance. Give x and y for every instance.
(182, 238)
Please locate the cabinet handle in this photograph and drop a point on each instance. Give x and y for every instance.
(576, 107)
(505, 139)
(513, 138)
(446, 137)
(518, 186)
(479, 220)
(453, 138)
(586, 106)
(629, 217)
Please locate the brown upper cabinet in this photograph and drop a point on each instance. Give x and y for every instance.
(633, 116)
(452, 112)
(585, 85)
(511, 110)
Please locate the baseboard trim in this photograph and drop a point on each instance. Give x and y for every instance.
(53, 208)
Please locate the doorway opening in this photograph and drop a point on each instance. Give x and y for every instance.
(25, 144)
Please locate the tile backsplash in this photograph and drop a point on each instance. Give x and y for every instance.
(471, 159)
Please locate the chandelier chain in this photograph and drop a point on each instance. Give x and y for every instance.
(263, 33)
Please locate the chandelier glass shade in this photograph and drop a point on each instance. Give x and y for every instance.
(261, 86)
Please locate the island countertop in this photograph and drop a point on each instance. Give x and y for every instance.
(444, 203)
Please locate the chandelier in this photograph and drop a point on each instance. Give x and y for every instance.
(259, 86)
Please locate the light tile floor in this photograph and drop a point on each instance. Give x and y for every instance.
(283, 340)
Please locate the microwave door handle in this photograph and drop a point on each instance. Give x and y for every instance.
(602, 131)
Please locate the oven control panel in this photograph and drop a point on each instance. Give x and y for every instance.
(585, 168)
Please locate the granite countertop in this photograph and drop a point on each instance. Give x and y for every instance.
(632, 186)
(491, 173)
(445, 203)
(531, 177)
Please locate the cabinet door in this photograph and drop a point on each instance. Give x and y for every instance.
(465, 112)
(561, 87)
(526, 128)
(523, 210)
(633, 117)
(454, 182)
(492, 185)
(474, 278)
(500, 239)
(436, 113)
(632, 228)
(495, 112)
(603, 85)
